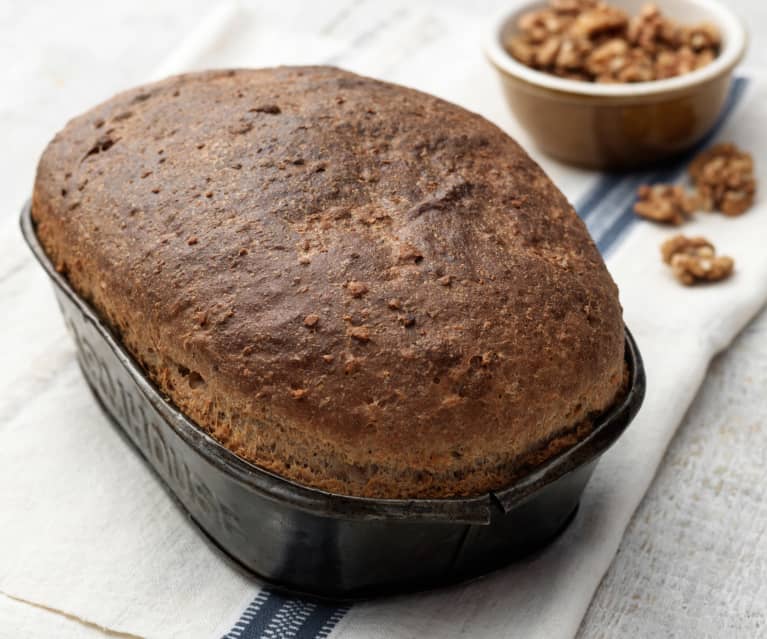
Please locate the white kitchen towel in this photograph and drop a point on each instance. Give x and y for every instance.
(88, 537)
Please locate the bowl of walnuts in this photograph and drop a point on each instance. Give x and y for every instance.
(616, 84)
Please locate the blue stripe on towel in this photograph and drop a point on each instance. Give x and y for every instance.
(607, 209)
(272, 615)
(252, 625)
(323, 620)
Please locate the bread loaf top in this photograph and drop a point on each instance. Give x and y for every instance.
(356, 285)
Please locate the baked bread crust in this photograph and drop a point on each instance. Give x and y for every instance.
(355, 285)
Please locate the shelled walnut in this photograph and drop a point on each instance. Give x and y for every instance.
(592, 41)
(724, 178)
(694, 259)
(667, 203)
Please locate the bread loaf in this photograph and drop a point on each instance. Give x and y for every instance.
(357, 286)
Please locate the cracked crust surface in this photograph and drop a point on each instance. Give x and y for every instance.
(355, 285)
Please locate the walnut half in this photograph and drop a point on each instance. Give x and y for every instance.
(667, 203)
(694, 260)
(724, 178)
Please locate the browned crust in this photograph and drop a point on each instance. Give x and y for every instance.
(356, 285)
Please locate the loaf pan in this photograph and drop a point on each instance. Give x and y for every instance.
(316, 543)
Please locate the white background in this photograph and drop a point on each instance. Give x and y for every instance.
(693, 561)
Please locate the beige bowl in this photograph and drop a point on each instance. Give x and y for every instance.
(619, 126)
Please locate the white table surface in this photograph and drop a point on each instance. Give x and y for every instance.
(693, 562)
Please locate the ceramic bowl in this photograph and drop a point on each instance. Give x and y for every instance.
(620, 126)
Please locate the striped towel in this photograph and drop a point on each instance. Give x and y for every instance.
(90, 541)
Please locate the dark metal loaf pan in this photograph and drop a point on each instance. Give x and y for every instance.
(313, 542)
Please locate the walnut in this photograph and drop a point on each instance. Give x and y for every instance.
(521, 50)
(638, 68)
(703, 37)
(599, 20)
(690, 269)
(669, 64)
(705, 57)
(651, 31)
(589, 40)
(694, 259)
(546, 54)
(665, 203)
(572, 6)
(631, 66)
(572, 55)
(724, 178)
(602, 60)
(681, 243)
(539, 25)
